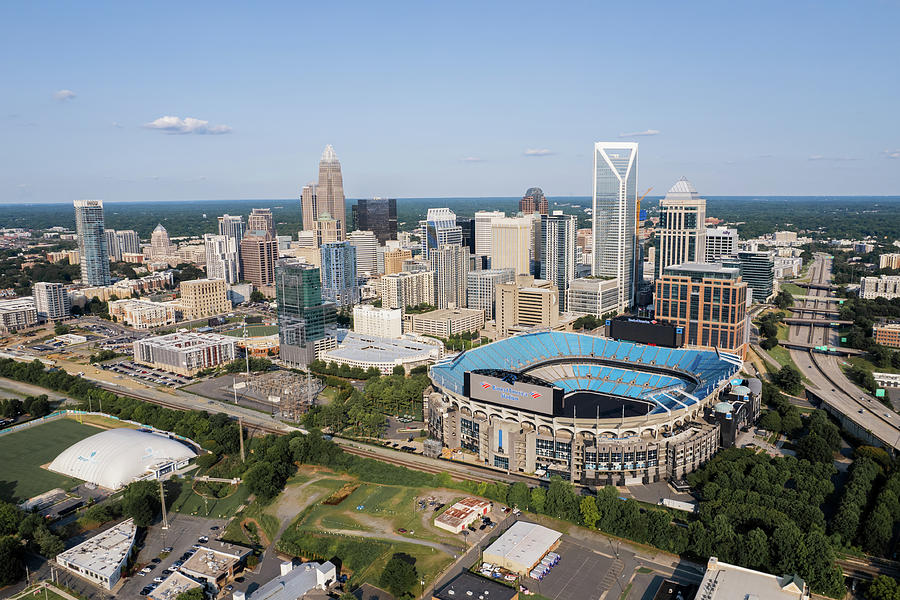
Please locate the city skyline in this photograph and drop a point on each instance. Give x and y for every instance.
(736, 111)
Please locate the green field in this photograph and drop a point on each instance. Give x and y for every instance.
(793, 289)
(189, 502)
(22, 453)
(253, 331)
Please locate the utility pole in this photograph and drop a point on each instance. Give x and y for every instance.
(241, 436)
(162, 499)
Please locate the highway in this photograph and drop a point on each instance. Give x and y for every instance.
(862, 413)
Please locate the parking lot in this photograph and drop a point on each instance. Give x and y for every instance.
(149, 374)
(580, 573)
(184, 531)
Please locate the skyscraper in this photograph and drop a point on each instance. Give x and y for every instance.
(481, 289)
(233, 227)
(330, 191)
(258, 255)
(614, 214)
(261, 219)
(719, 242)
(533, 201)
(92, 242)
(439, 229)
(682, 226)
(160, 244)
(222, 258)
(308, 202)
(511, 240)
(339, 283)
(378, 215)
(483, 220)
(467, 226)
(451, 267)
(366, 245)
(51, 301)
(303, 319)
(554, 251)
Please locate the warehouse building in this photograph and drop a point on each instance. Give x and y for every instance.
(185, 353)
(101, 558)
(295, 581)
(724, 582)
(521, 547)
(462, 514)
(467, 585)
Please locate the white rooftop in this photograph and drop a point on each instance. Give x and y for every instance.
(173, 586)
(294, 584)
(524, 543)
(723, 581)
(104, 553)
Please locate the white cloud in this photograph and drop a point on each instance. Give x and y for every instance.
(472, 159)
(63, 95)
(831, 158)
(646, 132)
(891, 153)
(177, 125)
(539, 152)
(117, 125)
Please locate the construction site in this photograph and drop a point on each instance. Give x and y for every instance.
(284, 394)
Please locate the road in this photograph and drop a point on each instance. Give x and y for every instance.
(828, 382)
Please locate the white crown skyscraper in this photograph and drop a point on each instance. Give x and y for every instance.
(682, 226)
(329, 194)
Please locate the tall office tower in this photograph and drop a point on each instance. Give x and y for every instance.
(308, 206)
(451, 268)
(719, 242)
(439, 229)
(201, 298)
(483, 220)
(393, 260)
(233, 227)
(261, 219)
(327, 231)
(525, 304)
(709, 301)
(554, 251)
(590, 296)
(303, 319)
(533, 201)
(339, 283)
(468, 232)
(682, 226)
(366, 245)
(615, 219)
(92, 249)
(481, 289)
(403, 289)
(378, 215)
(511, 241)
(258, 255)
(222, 259)
(51, 301)
(330, 191)
(757, 271)
(160, 244)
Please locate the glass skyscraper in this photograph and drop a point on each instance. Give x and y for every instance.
(339, 273)
(554, 252)
(439, 229)
(92, 242)
(303, 318)
(615, 219)
(378, 215)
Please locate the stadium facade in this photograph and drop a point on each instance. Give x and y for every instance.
(594, 410)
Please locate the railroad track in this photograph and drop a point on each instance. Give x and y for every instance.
(433, 469)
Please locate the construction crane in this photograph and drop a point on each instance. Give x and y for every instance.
(638, 215)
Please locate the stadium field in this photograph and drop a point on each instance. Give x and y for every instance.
(22, 453)
(253, 331)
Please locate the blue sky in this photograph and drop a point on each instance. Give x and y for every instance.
(445, 98)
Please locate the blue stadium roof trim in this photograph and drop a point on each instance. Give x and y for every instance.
(609, 366)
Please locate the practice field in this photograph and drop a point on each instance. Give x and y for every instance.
(22, 453)
(253, 331)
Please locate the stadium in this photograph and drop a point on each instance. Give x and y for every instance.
(591, 409)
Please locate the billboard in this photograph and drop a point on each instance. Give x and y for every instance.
(514, 390)
(645, 331)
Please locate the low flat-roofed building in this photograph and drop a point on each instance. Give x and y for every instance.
(101, 558)
(522, 546)
(726, 582)
(445, 322)
(887, 335)
(185, 353)
(364, 351)
(173, 586)
(462, 514)
(295, 581)
(468, 585)
(215, 563)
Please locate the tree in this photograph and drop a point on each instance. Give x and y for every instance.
(784, 299)
(883, 588)
(141, 502)
(10, 560)
(814, 449)
(789, 379)
(262, 481)
(61, 329)
(257, 296)
(196, 593)
(561, 502)
(771, 421)
(538, 498)
(519, 495)
(589, 513)
(754, 552)
(399, 371)
(10, 515)
(399, 575)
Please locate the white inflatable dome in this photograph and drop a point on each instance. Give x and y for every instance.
(116, 457)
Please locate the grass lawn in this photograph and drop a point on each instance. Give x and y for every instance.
(189, 502)
(22, 453)
(793, 289)
(864, 363)
(253, 331)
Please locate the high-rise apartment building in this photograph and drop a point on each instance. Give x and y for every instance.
(481, 289)
(403, 289)
(615, 214)
(885, 286)
(93, 252)
(51, 300)
(160, 244)
(592, 296)
(709, 301)
(303, 319)
(554, 251)
(258, 256)
(308, 206)
(122, 242)
(451, 267)
(201, 298)
(378, 215)
(438, 229)
(330, 191)
(483, 235)
(889, 261)
(533, 201)
(222, 258)
(511, 240)
(719, 242)
(233, 227)
(261, 219)
(339, 284)
(380, 322)
(366, 245)
(525, 304)
(393, 260)
(682, 225)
